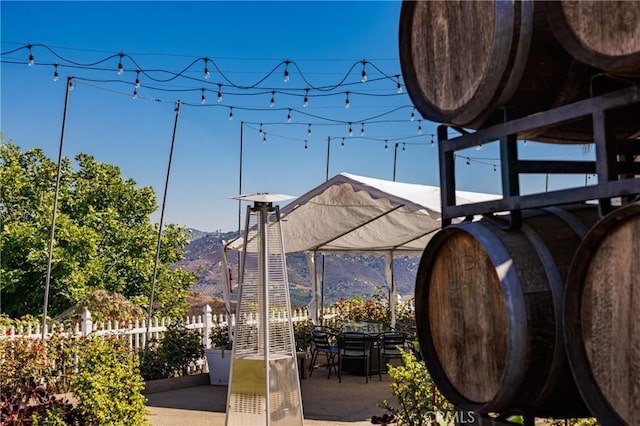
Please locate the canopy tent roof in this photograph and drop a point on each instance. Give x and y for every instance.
(357, 214)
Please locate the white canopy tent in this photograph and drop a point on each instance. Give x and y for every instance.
(356, 215)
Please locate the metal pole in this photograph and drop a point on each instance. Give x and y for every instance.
(326, 178)
(164, 202)
(395, 158)
(240, 191)
(53, 214)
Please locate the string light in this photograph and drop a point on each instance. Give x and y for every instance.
(350, 130)
(404, 146)
(386, 145)
(362, 130)
(494, 168)
(305, 144)
(413, 114)
(207, 74)
(260, 132)
(347, 104)
(135, 93)
(31, 60)
(289, 116)
(342, 144)
(478, 147)
(468, 161)
(55, 72)
(305, 102)
(120, 67)
(70, 84)
(399, 86)
(137, 83)
(203, 99)
(264, 137)
(419, 127)
(219, 92)
(272, 102)
(286, 71)
(432, 142)
(309, 131)
(364, 72)
(230, 113)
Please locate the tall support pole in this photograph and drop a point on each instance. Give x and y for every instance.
(240, 189)
(326, 178)
(395, 160)
(164, 202)
(47, 283)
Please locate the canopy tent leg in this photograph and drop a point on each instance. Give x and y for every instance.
(388, 272)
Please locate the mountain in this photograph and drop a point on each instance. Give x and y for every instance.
(361, 276)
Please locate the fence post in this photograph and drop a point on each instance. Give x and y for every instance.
(208, 323)
(87, 324)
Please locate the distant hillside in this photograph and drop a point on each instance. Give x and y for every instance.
(345, 277)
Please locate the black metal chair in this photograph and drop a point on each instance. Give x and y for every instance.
(390, 344)
(358, 346)
(324, 343)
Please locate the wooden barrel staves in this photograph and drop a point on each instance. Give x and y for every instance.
(603, 34)
(462, 61)
(602, 317)
(489, 309)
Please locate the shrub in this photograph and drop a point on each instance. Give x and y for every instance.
(31, 403)
(302, 335)
(219, 337)
(179, 349)
(419, 400)
(109, 385)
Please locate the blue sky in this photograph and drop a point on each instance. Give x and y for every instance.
(326, 41)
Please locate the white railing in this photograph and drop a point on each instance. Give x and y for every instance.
(136, 331)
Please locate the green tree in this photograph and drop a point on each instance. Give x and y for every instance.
(104, 236)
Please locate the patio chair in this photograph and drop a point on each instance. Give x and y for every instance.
(358, 346)
(324, 339)
(390, 343)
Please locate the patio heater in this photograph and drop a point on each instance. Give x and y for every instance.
(264, 388)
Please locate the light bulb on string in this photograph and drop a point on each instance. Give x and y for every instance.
(364, 72)
(135, 93)
(272, 102)
(264, 137)
(137, 83)
(207, 74)
(305, 102)
(347, 104)
(399, 86)
(70, 84)
(219, 92)
(468, 161)
(404, 146)
(413, 115)
(419, 127)
(309, 131)
(525, 142)
(230, 113)
(350, 130)
(386, 145)
(305, 144)
(120, 67)
(31, 60)
(260, 132)
(362, 130)
(286, 71)
(289, 116)
(55, 72)
(342, 144)
(478, 147)
(494, 168)
(203, 99)
(432, 142)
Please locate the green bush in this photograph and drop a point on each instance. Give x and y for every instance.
(419, 401)
(302, 335)
(219, 337)
(109, 385)
(179, 349)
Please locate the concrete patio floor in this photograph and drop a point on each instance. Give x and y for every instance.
(325, 402)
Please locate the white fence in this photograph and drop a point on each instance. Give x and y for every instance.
(136, 332)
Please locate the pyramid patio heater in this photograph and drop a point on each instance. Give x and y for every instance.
(264, 388)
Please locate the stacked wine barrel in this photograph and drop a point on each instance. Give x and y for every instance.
(543, 319)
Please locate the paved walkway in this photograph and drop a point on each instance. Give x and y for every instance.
(325, 402)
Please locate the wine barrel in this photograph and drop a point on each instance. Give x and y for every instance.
(489, 308)
(603, 34)
(602, 317)
(461, 61)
